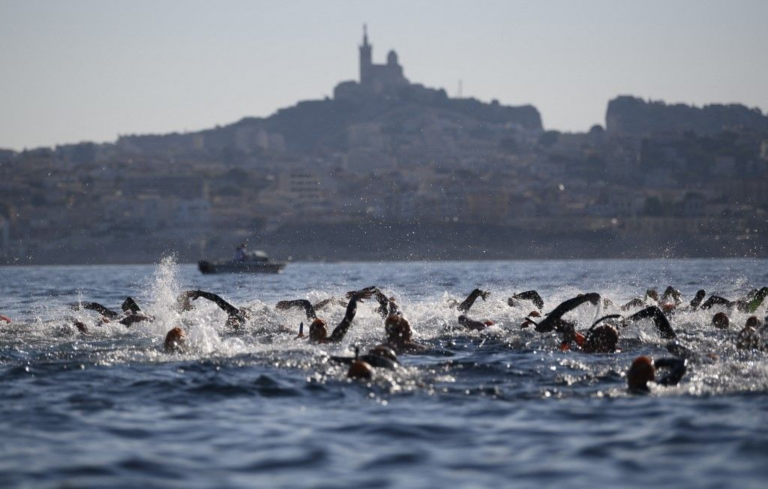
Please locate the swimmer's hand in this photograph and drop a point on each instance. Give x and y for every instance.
(484, 294)
(370, 290)
(361, 294)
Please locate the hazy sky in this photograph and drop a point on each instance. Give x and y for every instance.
(89, 70)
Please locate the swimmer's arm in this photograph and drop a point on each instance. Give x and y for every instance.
(322, 304)
(696, 301)
(134, 318)
(659, 319)
(755, 303)
(216, 299)
(130, 305)
(531, 295)
(716, 300)
(309, 309)
(383, 301)
(677, 368)
(549, 322)
(471, 298)
(340, 331)
(95, 306)
(636, 302)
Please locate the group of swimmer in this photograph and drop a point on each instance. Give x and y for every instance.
(601, 337)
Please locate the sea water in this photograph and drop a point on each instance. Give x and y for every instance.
(258, 408)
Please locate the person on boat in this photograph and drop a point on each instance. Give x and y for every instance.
(318, 330)
(645, 369)
(240, 253)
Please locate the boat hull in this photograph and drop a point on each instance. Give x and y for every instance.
(208, 268)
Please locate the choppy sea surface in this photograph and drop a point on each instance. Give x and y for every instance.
(259, 408)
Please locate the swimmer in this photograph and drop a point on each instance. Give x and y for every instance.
(554, 320)
(400, 336)
(697, 299)
(360, 370)
(659, 320)
(80, 326)
(528, 295)
(309, 308)
(651, 298)
(749, 338)
(132, 313)
(749, 303)
(599, 338)
(377, 357)
(473, 324)
(175, 340)
(603, 338)
(6, 319)
(469, 301)
(387, 305)
(318, 332)
(721, 321)
(644, 370)
(235, 317)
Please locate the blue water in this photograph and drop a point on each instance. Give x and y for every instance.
(257, 408)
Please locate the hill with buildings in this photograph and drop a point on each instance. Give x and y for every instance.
(382, 105)
(389, 169)
(631, 115)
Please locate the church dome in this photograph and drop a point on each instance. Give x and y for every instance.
(392, 58)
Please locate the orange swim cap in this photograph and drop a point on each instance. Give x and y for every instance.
(640, 373)
(174, 340)
(360, 370)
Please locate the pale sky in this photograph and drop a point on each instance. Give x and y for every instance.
(88, 70)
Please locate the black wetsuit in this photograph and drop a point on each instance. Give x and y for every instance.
(528, 295)
(553, 321)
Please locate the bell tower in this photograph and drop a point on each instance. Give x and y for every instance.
(365, 57)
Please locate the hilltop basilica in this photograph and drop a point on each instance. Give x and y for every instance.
(375, 79)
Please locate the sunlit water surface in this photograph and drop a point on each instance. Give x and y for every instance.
(258, 408)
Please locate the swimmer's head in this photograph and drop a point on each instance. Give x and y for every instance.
(534, 314)
(640, 373)
(318, 331)
(752, 322)
(384, 352)
(360, 370)
(720, 320)
(602, 339)
(174, 340)
(653, 294)
(398, 329)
